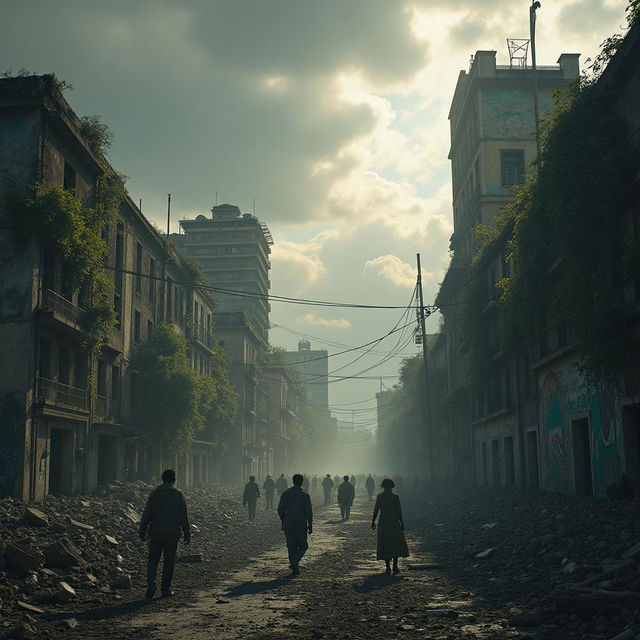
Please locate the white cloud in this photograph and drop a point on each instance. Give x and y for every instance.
(393, 269)
(319, 321)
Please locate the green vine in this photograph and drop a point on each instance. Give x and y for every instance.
(60, 220)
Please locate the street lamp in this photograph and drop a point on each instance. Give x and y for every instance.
(535, 5)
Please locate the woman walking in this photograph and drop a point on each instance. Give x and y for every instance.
(391, 542)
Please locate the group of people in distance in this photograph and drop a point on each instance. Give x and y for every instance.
(165, 520)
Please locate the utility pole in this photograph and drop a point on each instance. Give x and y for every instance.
(427, 404)
(532, 33)
(168, 214)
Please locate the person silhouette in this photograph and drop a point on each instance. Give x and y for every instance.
(391, 541)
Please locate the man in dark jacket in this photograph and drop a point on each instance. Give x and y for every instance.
(269, 487)
(164, 519)
(346, 494)
(295, 512)
(250, 496)
(281, 484)
(327, 487)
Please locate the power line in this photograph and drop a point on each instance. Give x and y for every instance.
(249, 294)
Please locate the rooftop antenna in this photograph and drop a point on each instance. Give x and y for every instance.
(254, 207)
(140, 205)
(168, 213)
(518, 52)
(216, 198)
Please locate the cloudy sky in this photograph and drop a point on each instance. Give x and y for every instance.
(331, 114)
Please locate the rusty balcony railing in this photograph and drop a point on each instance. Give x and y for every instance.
(62, 395)
(52, 301)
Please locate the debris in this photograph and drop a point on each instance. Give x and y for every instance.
(80, 525)
(63, 554)
(122, 582)
(28, 607)
(489, 525)
(22, 558)
(111, 540)
(632, 552)
(64, 593)
(525, 619)
(190, 557)
(70, 623)
(485, 553)
(35, 517)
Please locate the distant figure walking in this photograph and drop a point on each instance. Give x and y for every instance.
(391, 541)
(327, 487)
(370, 485)
(269, 487)
(305, 483)
(346, 493)
(250, 496)
(295, 512)
(281, 484)
(164, 518)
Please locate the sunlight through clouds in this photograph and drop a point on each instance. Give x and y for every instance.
(318, 321)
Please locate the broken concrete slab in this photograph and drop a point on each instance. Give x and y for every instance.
(35, 517)
(25, 606)
(63, 554)
(22, 558)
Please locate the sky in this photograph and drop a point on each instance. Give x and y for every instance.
(330, 115)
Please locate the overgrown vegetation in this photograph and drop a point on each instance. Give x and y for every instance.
(173, 401)
(74, 231)
(96, 133)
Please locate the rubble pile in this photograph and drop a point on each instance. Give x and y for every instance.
(561, 561)
(71, 553)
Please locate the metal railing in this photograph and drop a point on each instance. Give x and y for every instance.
(201, 334)
(59, 394)
(53, 301)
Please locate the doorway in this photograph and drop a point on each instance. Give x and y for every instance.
(61, 462)
(533, 472)
(582, 457)
(484, 472)
(107, 459)
(509, 469)
(495, 463)
(631, 435)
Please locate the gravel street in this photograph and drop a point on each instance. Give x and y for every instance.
(493, 567)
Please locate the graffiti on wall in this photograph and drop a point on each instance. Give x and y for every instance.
(565, 396)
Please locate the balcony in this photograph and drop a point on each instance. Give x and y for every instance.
(200, 334)
(60, 309)
(60, 395)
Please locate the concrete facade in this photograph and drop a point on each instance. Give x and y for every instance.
(56, 436)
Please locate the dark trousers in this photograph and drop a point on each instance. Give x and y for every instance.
(345, 511)
(327, 497)
(168, 548)
(252, 510)
(269, 496)
(297, 544)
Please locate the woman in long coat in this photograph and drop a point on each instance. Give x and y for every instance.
(391, 541)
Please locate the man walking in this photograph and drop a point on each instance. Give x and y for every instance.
(269, 487)
(370, 486)
(281, 484)
(295, 512)
(250, 496)
(327, 487)
(164, 518)
(346, 493)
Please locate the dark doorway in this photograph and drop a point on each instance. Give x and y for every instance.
(509, 469)
(533, 474)
(631, 434)
(495, 463)
(582, 457)
(107, 458)
(485, 466)
(61, 461)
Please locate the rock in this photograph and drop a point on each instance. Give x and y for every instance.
(35, 517)
(485, 553)
(122, 582)
(70, 623)
(59, 527)
(28, 607)
(63, 554)
(111, 540)
(525, 619)
(22, 558)
(64, 593)
(80, 525)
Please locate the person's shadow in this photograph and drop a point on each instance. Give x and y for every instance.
(376, 582)
(251, 588)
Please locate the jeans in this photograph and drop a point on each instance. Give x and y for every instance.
(297, 544)
(345, 511)
(269, 496)
(327, 498)
(252, 510)
(156, 549)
